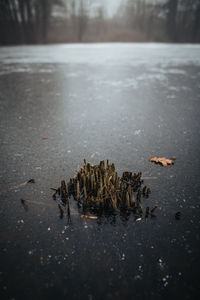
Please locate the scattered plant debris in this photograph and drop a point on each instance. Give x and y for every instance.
(173, 158)
(31, 180)
(162, 160)
(178, 215)
(98, 189)
(24, 204)
(61, 210)
(153, 209)
(147, 212)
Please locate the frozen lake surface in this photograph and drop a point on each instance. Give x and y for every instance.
(122, 102)
(149, 54)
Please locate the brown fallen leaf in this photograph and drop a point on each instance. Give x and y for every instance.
(44, 138)
(162, 160)
(89, 217)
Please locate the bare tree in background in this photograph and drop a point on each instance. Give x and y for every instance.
(45, 13)
(82, 20)
(100, 20)
(196, 26)
(73, 13)
(25, 21)
(171, 18)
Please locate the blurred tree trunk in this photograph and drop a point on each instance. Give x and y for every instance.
(196, 26)
(172, 6)
(150, 22)
(10, 27)
(73, 17)
(130, 14)
(38, 35)
(21, 4)
(25, 21)
(45, 13)
(30, 26)
(100, 21)
(82, 21)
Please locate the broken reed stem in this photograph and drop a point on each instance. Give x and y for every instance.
(99, 187)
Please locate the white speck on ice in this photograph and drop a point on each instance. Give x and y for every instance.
(137, 277)
(20, 221)
(18, 154)
(38, 168)
(137, 132)
(95, 154)
(165, 284)
(123, 256)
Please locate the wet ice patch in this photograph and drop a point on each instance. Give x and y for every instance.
(119, 84)
(46, 70)
(95, 154)
(166, 71)
(152, 77)
(171, 97)
(7, 69)
(10, 68)
(137, 132)
(137, 277)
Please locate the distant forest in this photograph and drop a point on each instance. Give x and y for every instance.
(67, 21)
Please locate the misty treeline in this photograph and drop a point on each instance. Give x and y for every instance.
(25, 21)
(52, 21)
(167, 20)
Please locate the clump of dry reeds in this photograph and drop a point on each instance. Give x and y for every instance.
(99, 188)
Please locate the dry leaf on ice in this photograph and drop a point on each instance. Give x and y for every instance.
(162, 160)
